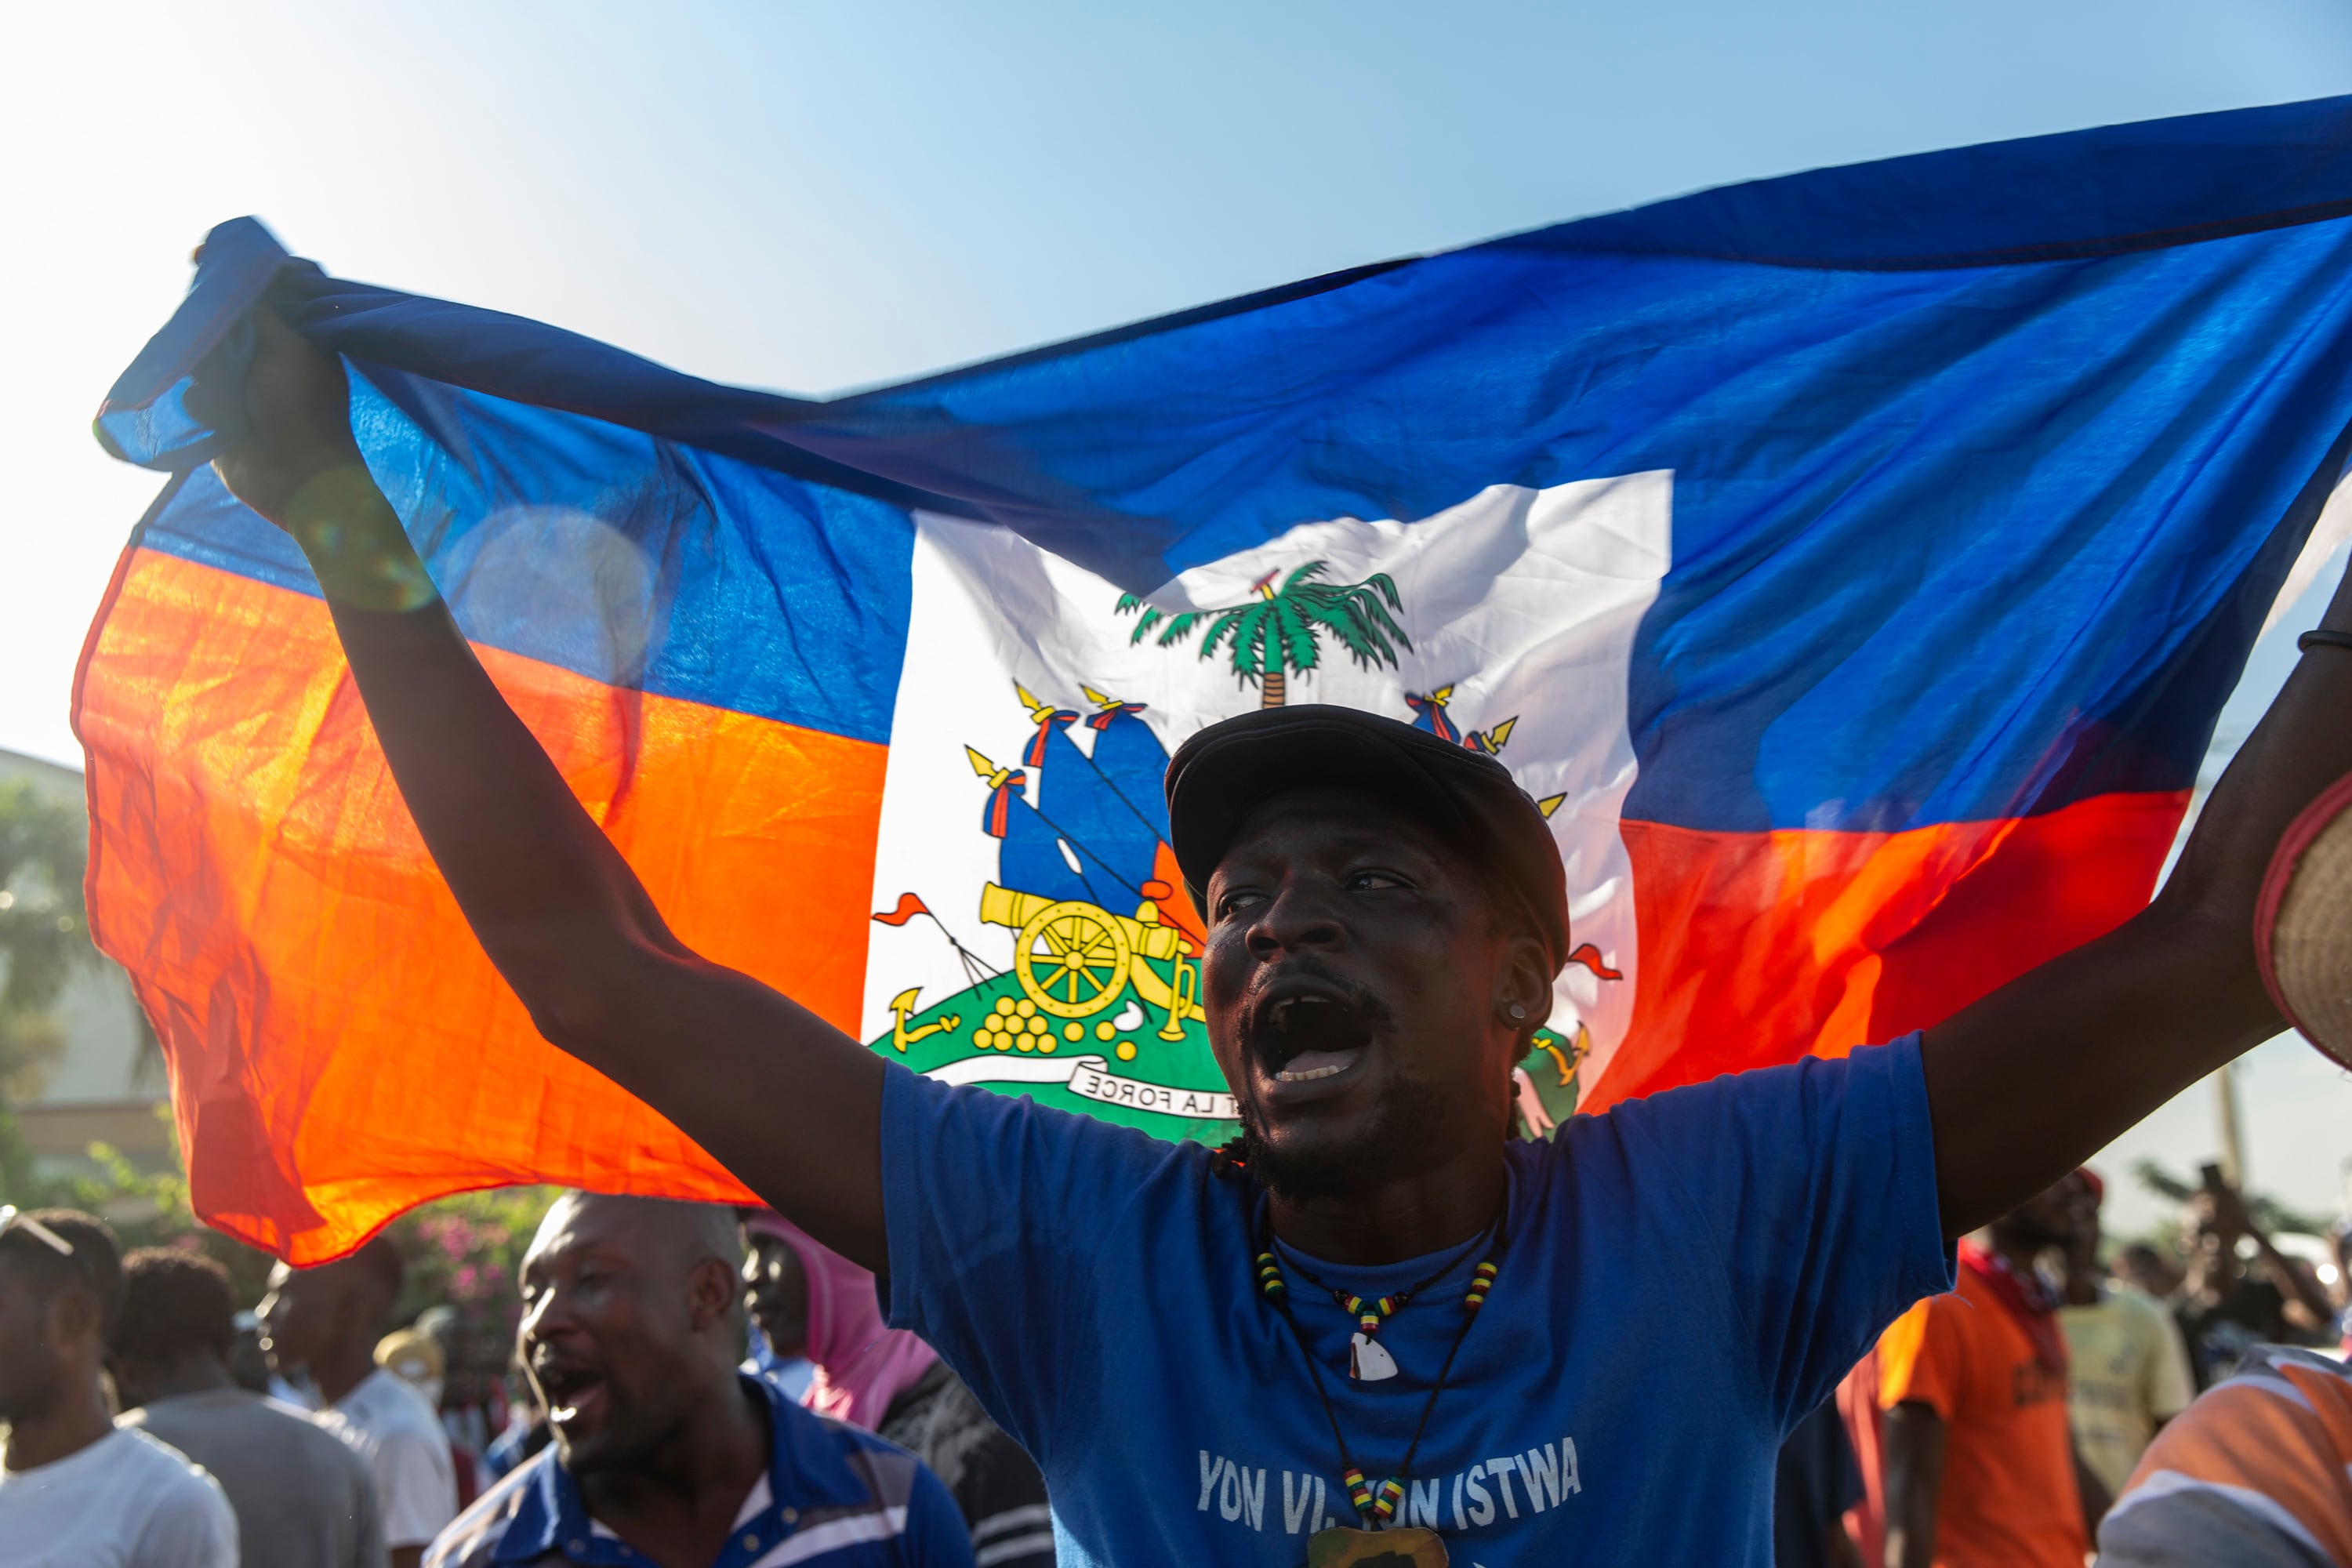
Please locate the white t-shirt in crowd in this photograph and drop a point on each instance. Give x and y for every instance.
(125, 1501)
(402, 1440)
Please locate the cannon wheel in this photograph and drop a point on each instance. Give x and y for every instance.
(1072, 959)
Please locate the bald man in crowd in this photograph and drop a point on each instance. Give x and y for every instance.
(630, 1331)
(326, 1320)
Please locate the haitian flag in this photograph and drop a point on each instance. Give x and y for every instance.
(1853, 564)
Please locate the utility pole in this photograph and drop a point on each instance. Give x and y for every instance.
(2225, 1110)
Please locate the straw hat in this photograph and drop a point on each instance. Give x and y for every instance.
(412, 1357)
(2303, 922)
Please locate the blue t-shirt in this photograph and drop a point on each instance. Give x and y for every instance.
(1685, 1277)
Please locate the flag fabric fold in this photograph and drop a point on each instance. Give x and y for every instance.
(1852, 565)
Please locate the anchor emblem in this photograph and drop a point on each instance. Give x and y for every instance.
(902, 1007)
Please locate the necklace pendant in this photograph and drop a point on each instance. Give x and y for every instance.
(1344, 1548)
(1369, 1360)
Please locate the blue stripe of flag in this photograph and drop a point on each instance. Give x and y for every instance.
(1985, 463)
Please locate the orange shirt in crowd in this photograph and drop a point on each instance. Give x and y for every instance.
(2008, 1498)
(1865, 1433)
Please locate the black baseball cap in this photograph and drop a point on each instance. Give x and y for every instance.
(1219, 776)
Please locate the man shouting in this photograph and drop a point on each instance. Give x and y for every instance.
(1385, 1317)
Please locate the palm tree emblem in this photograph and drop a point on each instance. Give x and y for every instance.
(1278, 631)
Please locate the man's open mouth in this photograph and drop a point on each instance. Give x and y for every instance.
(1305, 1036)
(569, 1390)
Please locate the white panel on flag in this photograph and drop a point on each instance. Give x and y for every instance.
(1039, 945)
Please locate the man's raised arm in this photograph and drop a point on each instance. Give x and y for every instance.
(780, 1097)
(2049, 1068)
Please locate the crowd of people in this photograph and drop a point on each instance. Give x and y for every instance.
(2010, 1420)
(726, 1353)
(2026, 1418)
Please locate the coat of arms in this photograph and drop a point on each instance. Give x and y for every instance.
(1096, 1004)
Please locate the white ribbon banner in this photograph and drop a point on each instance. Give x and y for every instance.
(1091, 1077)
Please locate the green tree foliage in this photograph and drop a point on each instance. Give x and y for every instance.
(2268, 1213)
(43, 937)
(1277, 633)
(43, 932)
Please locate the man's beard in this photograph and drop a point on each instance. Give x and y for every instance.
(631, 1442)
(1402, 1139)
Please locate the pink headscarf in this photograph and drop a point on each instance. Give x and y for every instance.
(861, 1363)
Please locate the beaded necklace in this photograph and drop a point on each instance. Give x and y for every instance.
(1376, 1506)
(1368, 1361)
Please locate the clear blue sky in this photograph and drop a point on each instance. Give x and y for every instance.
(812, 197)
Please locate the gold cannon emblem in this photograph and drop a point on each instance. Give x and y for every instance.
(1073, 959)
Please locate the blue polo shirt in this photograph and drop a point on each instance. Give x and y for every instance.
(1684, 1277)
(834, 1496)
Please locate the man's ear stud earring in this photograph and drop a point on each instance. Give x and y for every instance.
(1519, 1013)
